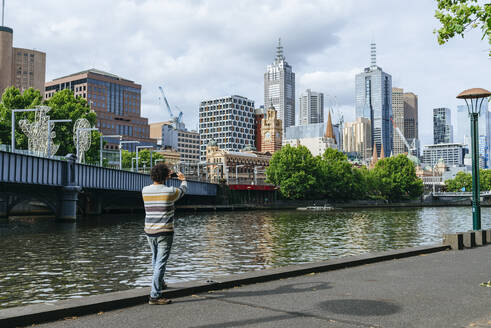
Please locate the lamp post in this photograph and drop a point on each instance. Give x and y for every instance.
(237, 173)
(100, 144)
(78, 137)
(474, 99)
(49, 132)
(142, 147)
(121, 147)
(12, 142)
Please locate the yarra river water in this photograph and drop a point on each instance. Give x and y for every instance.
(43, 260)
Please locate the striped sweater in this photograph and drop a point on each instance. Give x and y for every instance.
(159, 207)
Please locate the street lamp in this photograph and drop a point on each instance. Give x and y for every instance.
(474, 99)
(237, 173)
(49, 132)
(121, 147)
(141, 147)
(12, 142)
(78, 137)
(100, 144)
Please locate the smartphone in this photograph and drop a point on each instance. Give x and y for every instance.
(173, 175)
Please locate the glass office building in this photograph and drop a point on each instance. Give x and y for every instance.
(373, 88)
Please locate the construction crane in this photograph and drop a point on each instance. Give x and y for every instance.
(409, 148)
(177, 119)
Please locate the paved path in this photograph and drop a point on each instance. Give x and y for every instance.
(435, 290)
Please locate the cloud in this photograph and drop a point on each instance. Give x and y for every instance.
(201, 49)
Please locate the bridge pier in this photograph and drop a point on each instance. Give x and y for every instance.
(4, 208)
(67, 206)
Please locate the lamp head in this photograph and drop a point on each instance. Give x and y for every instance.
(474, 98)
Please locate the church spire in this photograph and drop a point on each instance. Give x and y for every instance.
(329, 129)
(382, 155)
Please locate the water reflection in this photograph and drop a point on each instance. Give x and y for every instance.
(43, 260)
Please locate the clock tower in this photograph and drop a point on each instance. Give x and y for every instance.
(271, 131)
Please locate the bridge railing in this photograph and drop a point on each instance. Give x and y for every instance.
(459, 194)
(27, 169)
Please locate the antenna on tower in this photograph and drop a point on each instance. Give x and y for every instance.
(3, 10)
(279, 50)
(373, 54)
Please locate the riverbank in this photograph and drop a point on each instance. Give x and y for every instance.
(27, 315)
(389, 289)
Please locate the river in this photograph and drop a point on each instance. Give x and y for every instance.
(43, 260)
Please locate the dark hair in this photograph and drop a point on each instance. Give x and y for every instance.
(159, 173)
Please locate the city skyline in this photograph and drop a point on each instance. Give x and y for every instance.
(216, 59)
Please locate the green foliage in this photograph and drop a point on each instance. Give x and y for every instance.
(295, 171)
(339, 179)
(395, 179)
(13, 99)
(458, 16)
(302, 176)
(63, 106)
(143, 158)
(464, 180)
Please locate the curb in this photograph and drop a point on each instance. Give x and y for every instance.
(38, 313)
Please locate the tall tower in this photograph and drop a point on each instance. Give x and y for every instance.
(373, 90)
(442, 126)
(311, 107)
(279, 87)
(271, 131)
(6, 51)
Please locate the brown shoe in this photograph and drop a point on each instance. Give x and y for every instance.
(159, 301)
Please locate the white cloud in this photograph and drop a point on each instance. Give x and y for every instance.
(201, 49)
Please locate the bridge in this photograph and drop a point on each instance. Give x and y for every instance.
(69, 188)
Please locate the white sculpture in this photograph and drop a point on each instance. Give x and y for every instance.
(37, 132)
(81, 137)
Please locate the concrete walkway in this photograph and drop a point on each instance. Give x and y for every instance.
(434, 290)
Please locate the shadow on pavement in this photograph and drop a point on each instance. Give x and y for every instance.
(360, 307)
(284, 289)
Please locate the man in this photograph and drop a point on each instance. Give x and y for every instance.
(159, 224)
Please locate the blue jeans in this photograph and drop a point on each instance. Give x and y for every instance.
(160, 247)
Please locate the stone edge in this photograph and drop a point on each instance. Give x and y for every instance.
(38, 313)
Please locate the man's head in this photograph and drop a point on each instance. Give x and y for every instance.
(160, 173)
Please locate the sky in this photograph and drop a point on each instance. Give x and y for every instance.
(200, 50)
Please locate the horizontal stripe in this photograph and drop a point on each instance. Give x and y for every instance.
(158, 208)
(165, 198)
(159, 219)
(158, 225)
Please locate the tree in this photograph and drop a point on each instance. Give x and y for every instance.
(339, 179)
(464, 180)
(13, 99)
(458, 16)
(64, 105)
(143, 158)
(295, 171)
(395, 179)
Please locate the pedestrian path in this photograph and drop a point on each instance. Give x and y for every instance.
(434, 290)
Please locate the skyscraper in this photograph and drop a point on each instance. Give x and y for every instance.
(405, 117)
(228, 121)
(462, 132)
(311, 107)
(442, 126)
(115, 100)
(22, 68)
(374, 101)
(279, 88)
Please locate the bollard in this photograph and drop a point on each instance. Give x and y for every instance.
(454, 240)
(481, 238)
(469, 239)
